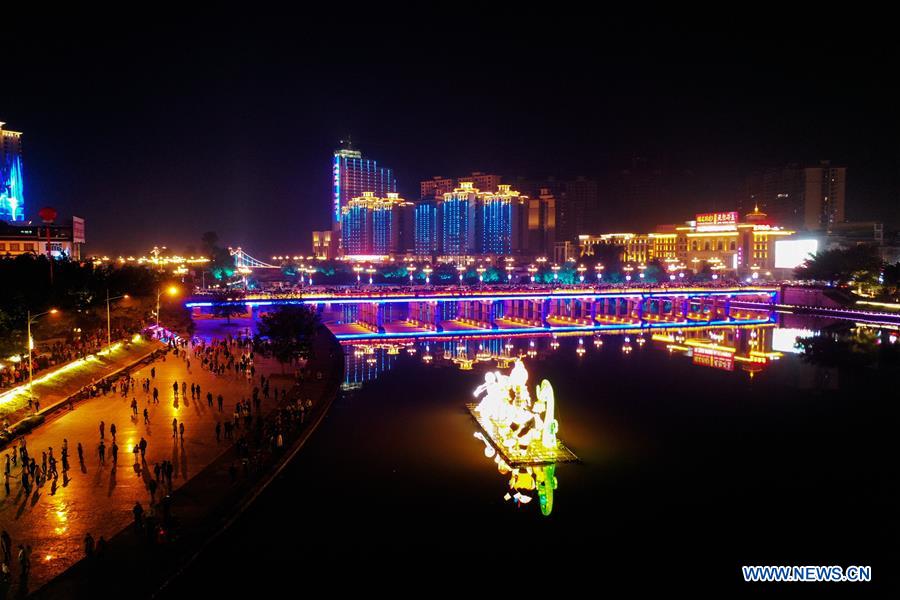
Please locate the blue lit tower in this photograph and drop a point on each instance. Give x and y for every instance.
(426, 220)
(351, 176)
(498, 214)
(375, 226)
(457, 220)
(12, 198)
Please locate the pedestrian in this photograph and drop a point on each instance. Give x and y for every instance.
(146, 417)
(175, 388)
(175, 427)
(134, 406)
(115, 452)
(152, 486)
(209, 399)
(181, 430)
(112, 431)
(143, 446)
(102, 427)
(101, 547)
(218, 430)
(155, 396)
(138, 512)
(153, 372)
(101, 450)
(24, 561)
(80, 453)
(88, 545)
(220, 400)
(6, 545)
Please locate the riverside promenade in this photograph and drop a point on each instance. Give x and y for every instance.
(209, 493)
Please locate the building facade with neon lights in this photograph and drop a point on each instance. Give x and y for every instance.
(352, 175)
(12, 188)
(721, 241)
(374, 226)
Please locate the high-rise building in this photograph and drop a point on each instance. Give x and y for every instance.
(352, 175)
(539, 227)
(499, 222)
(810, 198)
(375, 226)
(457, 220)
(426, 228)
(12, 198)
(824, 196)
(437, 186)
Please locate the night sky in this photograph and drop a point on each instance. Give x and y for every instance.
(157, 135)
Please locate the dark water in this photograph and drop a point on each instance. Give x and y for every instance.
(687, 472)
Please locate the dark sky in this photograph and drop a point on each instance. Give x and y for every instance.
(159, 134)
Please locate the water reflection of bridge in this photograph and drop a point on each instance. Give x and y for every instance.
(363, 314)
(740, 346)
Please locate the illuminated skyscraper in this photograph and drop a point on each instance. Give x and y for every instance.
(499, 224)
(352, 175)
(12, 198)
(457, 221)
(426, 218)
(375, 226)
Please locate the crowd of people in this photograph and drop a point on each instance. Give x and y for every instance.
(256, 440)
(54, 353)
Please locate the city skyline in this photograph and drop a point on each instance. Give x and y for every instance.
(255, 163)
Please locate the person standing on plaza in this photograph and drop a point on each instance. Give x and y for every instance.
(134, 406)
(6, 544)
(153, 372)
(155, 396)
(143, 446)
(181, 430)
(112, 431)
(138, 512)
(220, 400)
(88, 545)
(102, 428)
(101, 451)
(175, 388)
(209, 399)
(146, 417)
(175, 427)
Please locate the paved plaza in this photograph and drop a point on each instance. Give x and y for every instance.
(94, 498)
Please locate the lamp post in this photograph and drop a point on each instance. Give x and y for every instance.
(358, 269)
(108, 328)
(581, 269)
(412, 270)
(532, 270)
(481, 271)
(171, 290)
(599, 268)
(427, 270)
(32, 319)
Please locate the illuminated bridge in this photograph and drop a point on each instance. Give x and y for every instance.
(367, 313)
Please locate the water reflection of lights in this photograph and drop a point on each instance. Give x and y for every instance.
(554, 343)
(598, 341)
(580, 350)
(532, 351)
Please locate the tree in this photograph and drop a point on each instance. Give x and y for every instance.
(289, 331)
(223, 308)
(858, 264)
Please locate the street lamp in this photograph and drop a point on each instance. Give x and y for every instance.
(358, 269)
(108, 328)
(481, 271)
(412, 270)
(461, 269)
(599, 268)
(32, 319)
(427, 270)
(371, 272)
(171, 290)
(581, 269)
(532, 269)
